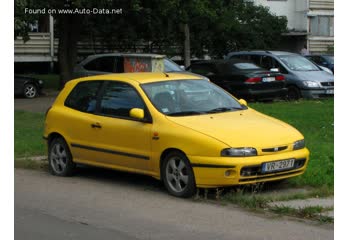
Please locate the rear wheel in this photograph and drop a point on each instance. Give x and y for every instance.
(60, 158)
(293, 93)
(178, 175)
(30, 90)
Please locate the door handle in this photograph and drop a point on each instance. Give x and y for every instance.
(96, 125)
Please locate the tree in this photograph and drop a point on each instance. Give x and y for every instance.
(199, 26)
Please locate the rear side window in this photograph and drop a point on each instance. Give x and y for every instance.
(102, 64)
(118, 99)
(83, 96)
(203, 69)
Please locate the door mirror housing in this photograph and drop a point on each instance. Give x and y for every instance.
(137, 113)
(243, 102)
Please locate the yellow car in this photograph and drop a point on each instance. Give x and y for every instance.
(179, 128)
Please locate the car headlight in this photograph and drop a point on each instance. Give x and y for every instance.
(311, 84)
(41, 82)
(238, 152)
(299, 144)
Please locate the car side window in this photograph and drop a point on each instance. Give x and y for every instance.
(118, 99)
(102, 64)
(83, 96)
(267, 62)
(203, 69)
(256, 59)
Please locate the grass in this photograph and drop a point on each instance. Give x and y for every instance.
(315, 120)
(28, 134)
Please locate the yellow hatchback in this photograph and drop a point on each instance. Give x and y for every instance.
(178, 128)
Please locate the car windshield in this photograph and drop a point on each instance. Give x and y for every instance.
(170, 66)
(189, 97)
(298, 63)
(329, 59)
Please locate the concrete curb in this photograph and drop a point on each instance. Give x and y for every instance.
(310, 202)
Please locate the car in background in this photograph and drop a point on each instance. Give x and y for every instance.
(178, 128)
(303, 77)
(243, 79)
(323, 60)
(28, 87)
(124, 62)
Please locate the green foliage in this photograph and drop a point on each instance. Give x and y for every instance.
(216, 27)
(28, 134)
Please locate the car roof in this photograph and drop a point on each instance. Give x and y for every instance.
(277, 53)
(139, 55)
(218, 61)
(144, 77)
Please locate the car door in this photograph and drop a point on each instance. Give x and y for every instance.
(121, 140)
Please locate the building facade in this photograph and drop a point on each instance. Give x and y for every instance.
(310, 22)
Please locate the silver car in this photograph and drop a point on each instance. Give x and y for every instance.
(303, 78)
(124, 62)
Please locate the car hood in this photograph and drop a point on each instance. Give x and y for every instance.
(247, 128)
(319, 76)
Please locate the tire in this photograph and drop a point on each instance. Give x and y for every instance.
(177, 175)
(30, 90)
(60, 158)
(293, 93)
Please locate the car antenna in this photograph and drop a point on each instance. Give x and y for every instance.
(167, 75)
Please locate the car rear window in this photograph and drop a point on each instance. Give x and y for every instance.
(244, 66)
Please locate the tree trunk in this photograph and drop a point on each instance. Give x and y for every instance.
(187, 50)
(67, 48)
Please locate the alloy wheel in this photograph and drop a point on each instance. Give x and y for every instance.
(58, 158)
(177, 174)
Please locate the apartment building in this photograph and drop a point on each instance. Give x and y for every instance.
(310, 22)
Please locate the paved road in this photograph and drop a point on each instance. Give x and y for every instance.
(39, 104)
(104, 204)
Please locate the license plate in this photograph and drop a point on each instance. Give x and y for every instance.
(268, 79)
(277, 165)
(330, 91)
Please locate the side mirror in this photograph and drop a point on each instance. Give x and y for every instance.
(137, 113)
(274, 70)
(182, 67)
(243, 102)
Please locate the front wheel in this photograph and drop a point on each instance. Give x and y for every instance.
(293, 93)
(60, 158)
(178, 175)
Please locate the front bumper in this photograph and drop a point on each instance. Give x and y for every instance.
(317, 93)
(229, 171)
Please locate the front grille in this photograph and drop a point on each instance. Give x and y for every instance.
(275, 149)
(327, 84)
(256, 170)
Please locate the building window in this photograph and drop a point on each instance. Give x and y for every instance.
(322, 26)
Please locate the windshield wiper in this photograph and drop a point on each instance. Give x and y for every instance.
(185, 113)
(223, 109)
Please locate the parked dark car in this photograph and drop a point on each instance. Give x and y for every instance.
(323, 60)
(28, 87)
(242, 78)
(303, 77)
